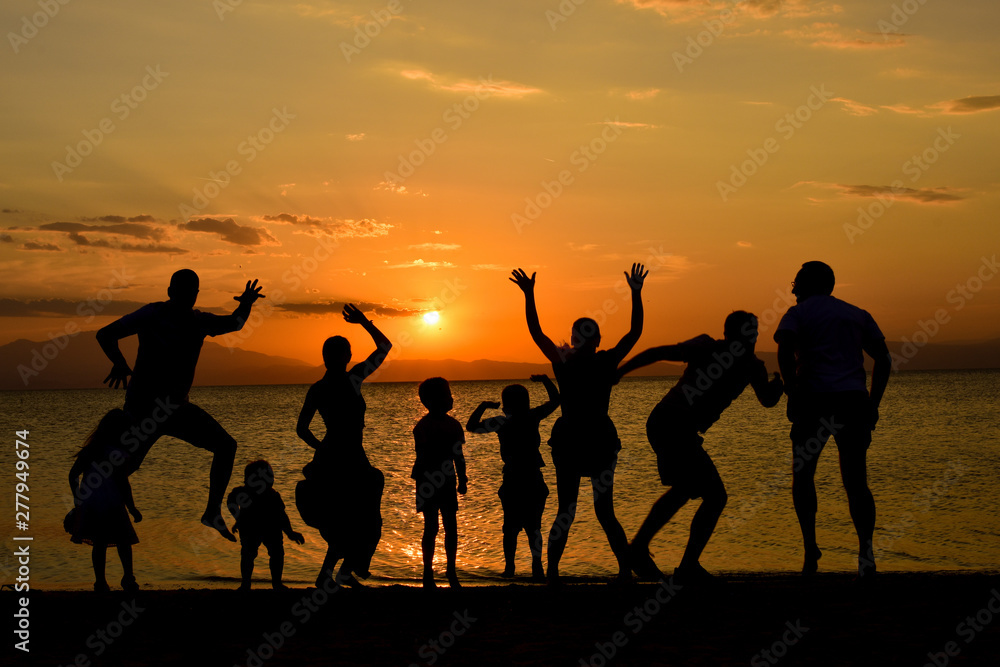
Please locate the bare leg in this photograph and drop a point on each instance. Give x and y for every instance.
(804, 498)
(853, 470)
(427, 545)
(534, 533)
(567, 492)
(99, 557)
(662, 511)
(509, 550)
(128, 575)
(248, 554)
(604, 508)
(450, 522)
(218, 480)
(277, 566)
(703, 524)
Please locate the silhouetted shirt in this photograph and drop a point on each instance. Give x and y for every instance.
(258, 513)
(338, 399)
(830, 336)
(437, 439)
(170, 341)
(716, 374)
(520, 441)
(585, 383)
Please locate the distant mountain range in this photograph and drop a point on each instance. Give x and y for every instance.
(78, 362)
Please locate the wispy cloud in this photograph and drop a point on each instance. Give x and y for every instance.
(40, 245)
(855, 108)
(967, 105)
(337, 227)
(336, 307)
(435, 246)
(942, 195)
(421, 264)
(831, 35)
(122, 227)
(61, 307)
(483, 87)
(230, 231)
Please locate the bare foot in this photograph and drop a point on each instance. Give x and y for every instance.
(811, 562)
(453, 579)
(218, 523)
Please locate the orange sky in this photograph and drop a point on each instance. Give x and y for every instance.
(412, 167)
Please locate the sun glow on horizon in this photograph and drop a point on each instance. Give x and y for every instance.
(431, 318)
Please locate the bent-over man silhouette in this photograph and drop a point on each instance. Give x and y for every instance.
(821, 345)
(171, 334)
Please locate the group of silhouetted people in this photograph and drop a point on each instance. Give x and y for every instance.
(821, 345)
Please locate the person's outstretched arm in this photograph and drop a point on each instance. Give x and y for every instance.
(476, 423)
(108, 337)
(651, 356)
(382, 344)
(305, 419)
(544, 343)
(768, 391)
(549, 406)
(628, 341)
(286, 527)
(216, 325)
(879, 352)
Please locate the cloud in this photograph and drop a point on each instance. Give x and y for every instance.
(830, 35)
(338, 228)
(744, 244)
(35, 245)
(122, 227)
(583, 247)
(622, 123)
(483, 88)
(336, 307)
(435, 246)
(968, 105)
(490, 267)
(81, 240)
(6, 238)
(690, 10)
(421, 264)
(647, 94)
(360, 136)
(231, 232)
(120, 218)
(919, 195)
(62, 307)
(855, 108)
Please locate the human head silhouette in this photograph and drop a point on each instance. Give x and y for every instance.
(741, 326)
(183, 289)
(435, 394)
(516, 399)
(336, 353)
(813, 279)
(257, 473)
(586, 335)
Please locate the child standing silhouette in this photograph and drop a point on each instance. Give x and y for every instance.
(260, 519)
(438, 439)
(523, 491)
(103, 499)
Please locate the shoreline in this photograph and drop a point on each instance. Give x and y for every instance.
(752, 618)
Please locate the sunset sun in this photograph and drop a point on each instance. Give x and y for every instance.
(431, 318)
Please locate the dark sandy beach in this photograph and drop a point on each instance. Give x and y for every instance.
(906, 619)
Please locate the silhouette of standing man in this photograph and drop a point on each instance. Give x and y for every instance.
(171, 334)
(821, 345)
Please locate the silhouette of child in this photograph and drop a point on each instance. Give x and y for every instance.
(523, 491)
(260, 519)
(103, 499)
(584, 439)
(438, 439)
(717, 372)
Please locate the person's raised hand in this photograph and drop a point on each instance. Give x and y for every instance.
(250, 294)
(521, 279)
(636, 277)
(353, 314)
(118, 377)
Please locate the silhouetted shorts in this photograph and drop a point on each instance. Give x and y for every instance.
(182, 420)
(433, 498)
(250, 543)
(681, 461)
(587, 449)
(844, 415)
(522, 498)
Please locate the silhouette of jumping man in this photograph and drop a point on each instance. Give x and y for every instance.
(584, 440)
(102, 495)
(440, 463)
(171, 334)
(821, 345)
(260, 519)
(346, 488)
(717, 372)
(523, 491)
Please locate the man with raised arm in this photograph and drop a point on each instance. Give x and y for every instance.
(821, 346)
(171, 334)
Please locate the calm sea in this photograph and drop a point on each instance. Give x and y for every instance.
(933, 468)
